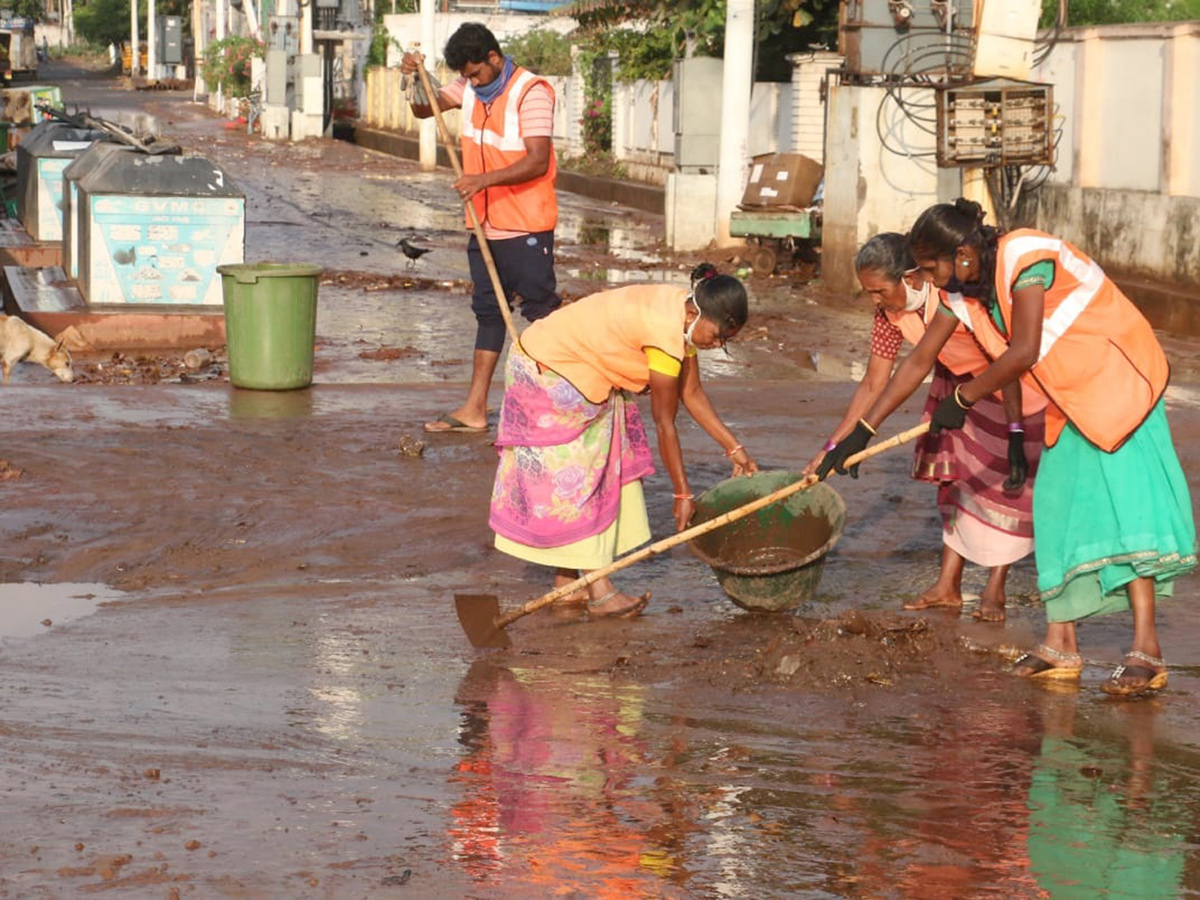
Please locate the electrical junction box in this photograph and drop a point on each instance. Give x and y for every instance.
(696, 113)
(170, 40)
(906, 38)
(1007, 35)
(999, 122)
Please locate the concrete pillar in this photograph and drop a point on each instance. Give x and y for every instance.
(427, 128)
(219, 35)
(1089, 109)
(875, 179)
(133, 29)
(573, 145)
(151, 41)
(736, 85)
(1181, 130)
(808, 104)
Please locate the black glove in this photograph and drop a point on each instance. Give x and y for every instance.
(835, 460)
(1018, 466)
(949, 414)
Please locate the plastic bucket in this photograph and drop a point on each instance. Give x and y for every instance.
(771, 560)
(270, 324)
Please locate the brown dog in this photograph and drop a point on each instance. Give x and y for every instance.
(21, 341)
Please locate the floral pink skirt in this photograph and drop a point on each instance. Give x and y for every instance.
(980, 520)
(563, 459)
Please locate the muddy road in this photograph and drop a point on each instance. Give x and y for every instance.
(230, 666)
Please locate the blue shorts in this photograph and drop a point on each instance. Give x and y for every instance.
(526, 268)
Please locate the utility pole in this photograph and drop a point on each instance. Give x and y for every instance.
(220, 36)
(135, 56)
(428, 146)
(151, 42)
(737, 82)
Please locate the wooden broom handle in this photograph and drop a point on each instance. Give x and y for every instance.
(469, 204)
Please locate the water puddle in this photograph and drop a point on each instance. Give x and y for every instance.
(27, 610)
(628, 276)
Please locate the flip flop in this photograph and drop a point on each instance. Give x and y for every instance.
(453, 424)
(629, 612)
(1041, 669)
(1151, 681)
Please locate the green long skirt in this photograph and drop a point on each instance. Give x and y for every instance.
(1100, 520)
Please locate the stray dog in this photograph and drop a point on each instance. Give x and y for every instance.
(19, 341)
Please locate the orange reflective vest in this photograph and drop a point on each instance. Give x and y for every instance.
(491, 140)
(961, 353)
(1099, 362)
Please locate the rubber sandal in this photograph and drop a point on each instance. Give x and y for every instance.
(1059, 666)
(453, 424)
(628, 612)
(1151, 681)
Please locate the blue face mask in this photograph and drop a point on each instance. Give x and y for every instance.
(489, 92)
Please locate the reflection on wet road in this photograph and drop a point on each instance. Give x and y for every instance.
(570, 783)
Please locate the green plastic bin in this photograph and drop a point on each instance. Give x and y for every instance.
(270, 324)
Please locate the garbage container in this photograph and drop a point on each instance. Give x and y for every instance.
(270, 324)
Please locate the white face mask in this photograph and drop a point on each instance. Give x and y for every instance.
(914, 298)
(687, 332)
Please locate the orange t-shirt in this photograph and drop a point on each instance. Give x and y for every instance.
(599, 342)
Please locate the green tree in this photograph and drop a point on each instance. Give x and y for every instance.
(541, 50)
(667, 26)
(103, 22)
(1116, 12)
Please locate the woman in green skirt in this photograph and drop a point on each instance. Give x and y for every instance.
(1112, 515)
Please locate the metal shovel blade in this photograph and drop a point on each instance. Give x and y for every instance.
(477, 614)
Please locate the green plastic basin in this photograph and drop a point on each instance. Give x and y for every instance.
(771, 560)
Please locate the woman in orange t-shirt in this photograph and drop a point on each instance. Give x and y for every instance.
(573, 449)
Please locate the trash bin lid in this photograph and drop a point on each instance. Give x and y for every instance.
(249, 273)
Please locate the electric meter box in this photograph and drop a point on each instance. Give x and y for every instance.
(696, 113)
(908, 37)
(170, 40)
(998, 122)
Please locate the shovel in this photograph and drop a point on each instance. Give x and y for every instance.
(484, 249)
(479, 614)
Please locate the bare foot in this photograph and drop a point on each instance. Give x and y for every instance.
(936, 598)
(614, 604)
(577, 597)
(991, 609)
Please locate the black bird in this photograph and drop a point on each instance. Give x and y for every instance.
(412, 251)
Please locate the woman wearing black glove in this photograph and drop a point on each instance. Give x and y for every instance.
(1046, 313)
(984, 521)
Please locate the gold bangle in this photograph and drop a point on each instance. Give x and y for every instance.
(958, 398)
(867, 425)
(730, 453)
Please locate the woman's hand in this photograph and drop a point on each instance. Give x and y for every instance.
(813, 463)
(1018, 466)
(743, 462)
(685, 508)
(835, 459)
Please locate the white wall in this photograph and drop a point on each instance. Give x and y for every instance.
(405, 28)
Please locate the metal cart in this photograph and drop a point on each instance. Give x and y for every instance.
(775, 230)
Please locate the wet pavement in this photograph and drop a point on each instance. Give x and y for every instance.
(230, 666)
